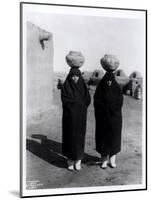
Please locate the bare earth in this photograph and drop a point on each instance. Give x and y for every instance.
(46, 167)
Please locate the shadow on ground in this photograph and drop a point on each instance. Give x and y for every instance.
(51, 151)
(14, 193)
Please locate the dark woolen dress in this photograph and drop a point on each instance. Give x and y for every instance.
(75, 100)
(108, 101)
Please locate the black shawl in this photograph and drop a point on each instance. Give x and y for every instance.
(75, 100)
(108, 101)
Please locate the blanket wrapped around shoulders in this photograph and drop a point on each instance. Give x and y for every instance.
(75, 100)
(108, 101)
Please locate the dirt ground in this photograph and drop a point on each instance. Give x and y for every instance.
(46, 167)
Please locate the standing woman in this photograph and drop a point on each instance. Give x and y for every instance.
(108, 101)
(75, 100)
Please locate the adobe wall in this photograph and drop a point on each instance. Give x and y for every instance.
(39, 70)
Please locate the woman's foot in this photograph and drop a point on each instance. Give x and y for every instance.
(104, 161)
(104, 164)
(78, 165)
(113, 161)
(70, 165)
(113, 165)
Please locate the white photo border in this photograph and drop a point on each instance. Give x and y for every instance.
(84, 190)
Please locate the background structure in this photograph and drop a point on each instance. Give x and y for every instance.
(39, 70)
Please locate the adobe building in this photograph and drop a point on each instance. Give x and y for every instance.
(135, 82)
(136, 75)
(120, 73)
(39, 70)
(121, 78)
(86, 76)
(96, 76)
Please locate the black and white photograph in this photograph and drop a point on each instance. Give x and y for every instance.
(83, 89)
